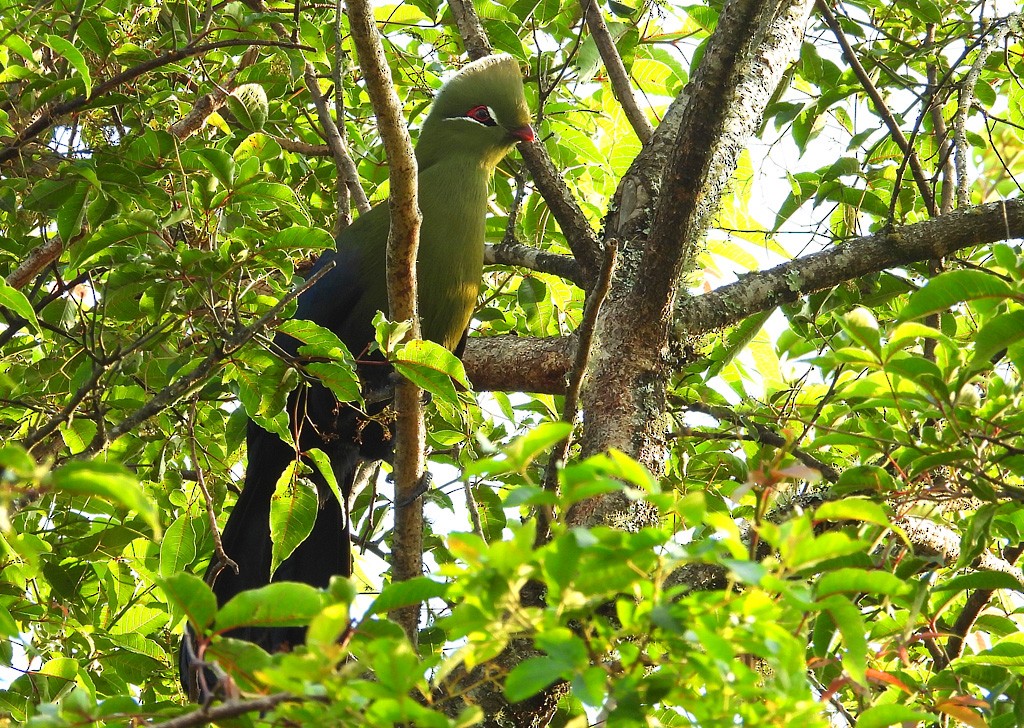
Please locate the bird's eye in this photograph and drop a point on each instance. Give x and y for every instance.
(482, 115)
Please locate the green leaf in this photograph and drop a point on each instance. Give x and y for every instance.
(850, 622)
(403, 593)
(108, 236)
(75, 58)
(530, 677)
(866, 478)
(220, 164)
(16, 459)
(861, 326)
(8, 625)
(852, 509)
(948, 289)
(999, 334)
(536, 303)
(192, 596)
(811, 551)
(109, 481)
(339, 378)
(242, 659)
(303, 238)
(15, 300)
(432, 368)
(71, 214)
(323, 464)
(523, 450)
(860, 581)
(321, 341)
(180, 544)
(293, 509)
(281, 604)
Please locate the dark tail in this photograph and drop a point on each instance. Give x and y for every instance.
(246, 538)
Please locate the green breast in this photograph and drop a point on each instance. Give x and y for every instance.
(453, 201)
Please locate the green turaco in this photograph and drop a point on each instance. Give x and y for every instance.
(476, 119)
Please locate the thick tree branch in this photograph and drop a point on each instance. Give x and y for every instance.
(934, 538)
(524, 364)
(975, 605)
(403, 244)
(40, 257)
(518, 363)
(870, 254)
(662, 222)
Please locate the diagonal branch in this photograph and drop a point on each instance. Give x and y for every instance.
(526, 364)
(920, 178)
(526, 256)
(784, 283)
(621, 86)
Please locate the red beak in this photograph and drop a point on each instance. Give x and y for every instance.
(524, 134)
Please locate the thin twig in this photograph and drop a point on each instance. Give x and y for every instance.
(343, 204)
(197, 377)
(230, 709)
(339, 150)
(221, 558)
(764, 435)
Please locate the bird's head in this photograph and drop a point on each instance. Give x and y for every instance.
(481, 111)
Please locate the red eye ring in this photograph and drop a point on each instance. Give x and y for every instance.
(482, 115)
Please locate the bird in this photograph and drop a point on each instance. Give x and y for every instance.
(476, 119)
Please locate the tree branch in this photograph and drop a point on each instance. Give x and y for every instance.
(970, 82)
(518, 363)
(883, 109)
(403, 243)
(230, 709)
(208, 103)
(784, 283)
(621, 86)
(662, 222)
(525, 364)
(525, 256)
(198, 376)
